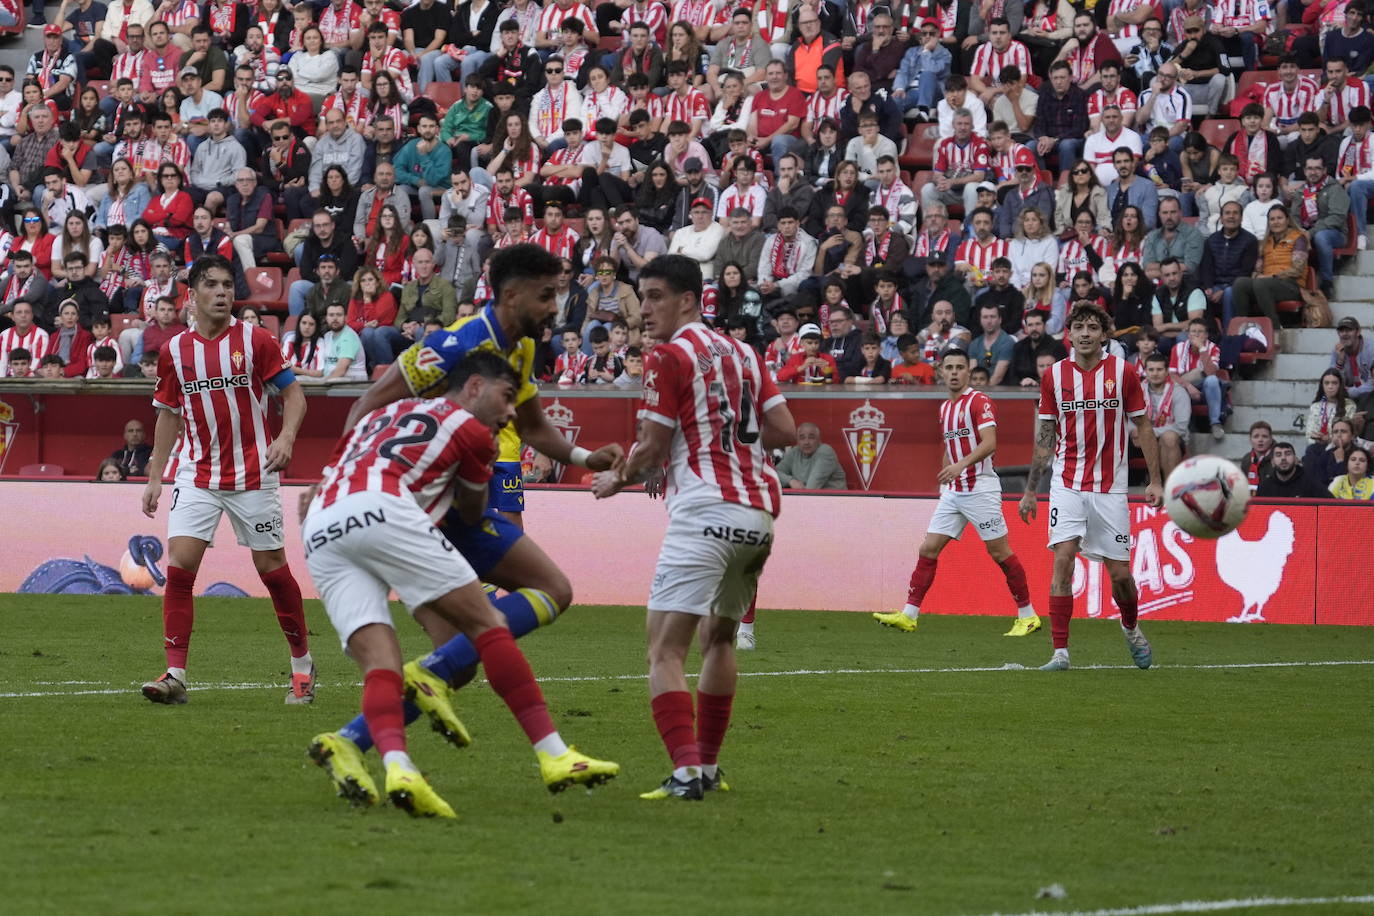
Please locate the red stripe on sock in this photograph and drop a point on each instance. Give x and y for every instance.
(1016, 580)
(749, 616)
(1130, 611)
(673, 716)
(178, 614)
(1061, 609)
(713, 719)
(921, 578)
(383, 709)
(510, 676)
(286, 600)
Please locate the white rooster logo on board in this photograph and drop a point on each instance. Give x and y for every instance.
(1255, 568)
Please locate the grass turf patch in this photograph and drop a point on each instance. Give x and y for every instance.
(958, 792)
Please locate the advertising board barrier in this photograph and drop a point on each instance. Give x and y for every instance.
(1290, 562)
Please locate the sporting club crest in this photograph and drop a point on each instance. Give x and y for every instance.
(561, 418)
(867, 438)
(9, 429)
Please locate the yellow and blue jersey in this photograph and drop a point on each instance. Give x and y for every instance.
(425, 365)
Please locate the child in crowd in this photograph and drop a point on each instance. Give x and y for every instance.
(569, 368)
(103, 362)
(913, 369)
(604, 366)
(634, 369)
(810, 366)
(100, 330)
(876, 370)
(52, 366)
(20, 364)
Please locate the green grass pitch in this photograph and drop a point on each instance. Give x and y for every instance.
(855, 789)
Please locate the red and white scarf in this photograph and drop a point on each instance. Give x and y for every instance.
(1161, 415)
(883, 312)
(1309, 212)
(783, 257)
(925, 247)
(875, 253)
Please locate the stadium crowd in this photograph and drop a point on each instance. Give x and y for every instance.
(863, 183)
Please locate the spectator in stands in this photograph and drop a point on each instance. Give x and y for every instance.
(1321, 205)
(1028, 192)
(171, 211)
(1035, 344)
(323, 239)
(1034, 244)
(1198, 58)
(459, 258)
(22, 279)
(1061, 118)
(372, 310)
(341, 349)
(83, 291)
(1000, 292)
(19, 364)
(1129, 189)
(922, 73)
(1281, 265)
(1173, 238)
(133, 457)
(51, 367)
(1170, 410)
(69, 340)
(1255, 463)
(846, 341)
(810, 366)
(994, 347)
(252, 224)
(31, 151)
(940, 283)
(287, 173)
(426, 296)
(701, 239)
(1310, 140)
(862, 99)
(1228, 254)
(961, 163)
(1354, 362)
(215, 162)
(1228, 187)
(792, 190)
(1165, 104)
(941, 332)
(1081, 193)
(1286, 478)
(1356, 169)
(301, 347)
(1132, 305)
(912, 369)
(811, 464)
(1194, 364)
(330, 289)
(339, 145)
(1177, 302)
(1100, 148)
(110, 472)
(382, 193)
(165, 325)
(1331, 403)
(743, 245)
(1331, 463)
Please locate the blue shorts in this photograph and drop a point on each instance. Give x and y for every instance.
(506, 491)
(483, 545)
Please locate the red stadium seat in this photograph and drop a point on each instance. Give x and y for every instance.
(1255, 77)
(920, 149)
(18, 27)
(1294, 306)
(443, 94)
(1216, 130)
(289, 326)
(42, 470)
(577, 225)
(1251, 357)
(272, 325)
(1351, 239)
(121, 321)
(265, 289)
(292, 276)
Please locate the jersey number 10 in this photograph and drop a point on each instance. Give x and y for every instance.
(745, 427)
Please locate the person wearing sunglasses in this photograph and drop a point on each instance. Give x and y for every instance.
(10, 101)
(1199, 61)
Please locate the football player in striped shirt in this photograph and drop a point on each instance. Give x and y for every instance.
(971, 494)
(1086, 403)
(212, 396)
(523, 282)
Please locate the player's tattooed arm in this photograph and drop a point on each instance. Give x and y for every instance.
(1145, 438)
(1045, 434)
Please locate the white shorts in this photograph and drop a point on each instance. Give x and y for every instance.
(1101, 520)
(255, 515)
(368, 544)
(711, 560)
(981, 508)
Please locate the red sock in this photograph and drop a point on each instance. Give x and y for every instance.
(713, 718)
(1016, 580)
(673, 716)
(1130, 610)
(921, 577)
(178, 613)
(749, 616)
(286, 599)
(510, 676)
(1061, 609)
(383, 709)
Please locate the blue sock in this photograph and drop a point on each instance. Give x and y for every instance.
(525, 610)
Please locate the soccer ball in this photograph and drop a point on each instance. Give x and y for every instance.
(1207, 496)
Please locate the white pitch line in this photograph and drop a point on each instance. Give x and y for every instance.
(1201, 906)
(110, 689)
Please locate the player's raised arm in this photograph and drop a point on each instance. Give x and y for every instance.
(1045, 433)
(646, 460)
(540, 435)
(165, 435)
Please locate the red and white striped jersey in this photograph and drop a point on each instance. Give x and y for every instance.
(1354, 94)
(954, 160)
(568, 155)
(1004, 164)
(35, 341)
(1073, 256)
(818, 107)
(653, 14)
(1128, 30)
(335, 26)
(712, 392)
(652, 105)
(551, 19)
(962, 421)
(752, 200)
(118, 357)
(396, 62)
(1241, 14)
(219, 387)
(129, 66)
(413, 447)
(354, 109)
(174, 151)
(693, 107)
(1093, 409)
(519, 197)
(611, 103)
(1184, 359)
(697, 12)
(1123, 98)
(184, 13)
(561, 243)
(771, 18)
(780, 351)
(1289, 106)
(569, 367)
(979, 256)
(988, 61)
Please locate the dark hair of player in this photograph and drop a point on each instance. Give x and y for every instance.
(952, 352)
(1091, 311)
(521, 262)
(485, 363)
(207, 262)
(680, 273)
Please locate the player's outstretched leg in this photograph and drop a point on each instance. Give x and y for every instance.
(427, 680)
(1126, 597)
(715, 697)
(922, 577)
(744, 639)
(286, 601)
